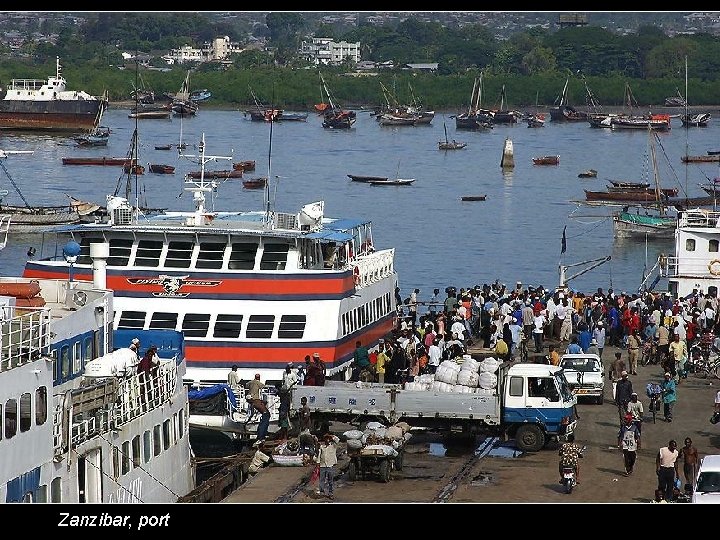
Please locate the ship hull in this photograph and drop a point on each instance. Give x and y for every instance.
(58, 115)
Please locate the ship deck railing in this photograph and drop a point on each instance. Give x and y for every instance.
(24, 336)
(26, 84)
(697, 268)
(698, 217)
(110, 403)
(373, 267)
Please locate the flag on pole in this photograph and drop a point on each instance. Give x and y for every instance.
(564, 241)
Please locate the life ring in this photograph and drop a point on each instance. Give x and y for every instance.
(714, 267)
(356, 276)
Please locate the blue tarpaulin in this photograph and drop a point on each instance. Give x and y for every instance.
(210, 391)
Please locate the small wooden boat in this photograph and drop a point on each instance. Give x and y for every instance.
(255, 183)
(161, 169)
(632, 185)
(590, 173)
(448, 144)
(247, 165)
(710, 158)
(546, 160)
(108, 161)
(394, 182)
(535, 121)
(232, 173)
(163, 146)
(160, 114)
(473, 198)
(362, 178)
(199, 96)
(713, 152)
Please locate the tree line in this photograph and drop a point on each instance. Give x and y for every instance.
(532, 64)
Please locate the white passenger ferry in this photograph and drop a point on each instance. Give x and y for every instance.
(256, 289)
(67, 436)
(696, 261)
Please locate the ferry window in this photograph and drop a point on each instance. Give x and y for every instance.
(179, 254)
(116, 462)
(88, 352)
(54, 356)
(292, 326)
(274, 256)
(242, 256)
(175, 428)
(516, 386)
(147, 445)
(10, 418)
(56, 490)
(125, 468)
(210, 255)
(41, 406)
(227, 326)
(166, 434)
(157, 440)
(181, 423)
(260, 326)
(84, 257)
(690, 244)
(136, 451)
(64, 362)
(41, 494)
(713, 246)
(77, 357)
(25, 412)
(162, 320)
(132, 319)
(196, 324)
(119, 251)
(148, 253)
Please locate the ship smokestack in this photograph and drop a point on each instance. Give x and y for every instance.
(99, 253)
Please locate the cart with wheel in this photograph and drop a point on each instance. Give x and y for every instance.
(374, 461)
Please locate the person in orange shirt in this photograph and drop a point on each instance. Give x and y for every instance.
(554, 356)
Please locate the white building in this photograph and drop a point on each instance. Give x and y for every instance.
(326, 51)
(217, 50)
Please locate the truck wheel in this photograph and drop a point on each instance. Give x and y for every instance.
(352, 471)
(529, 438)
(600, 399)
(385, 470)
(399, 461)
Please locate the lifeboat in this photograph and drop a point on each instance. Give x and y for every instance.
(26, 289)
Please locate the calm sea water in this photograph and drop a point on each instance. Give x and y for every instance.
(515, 235)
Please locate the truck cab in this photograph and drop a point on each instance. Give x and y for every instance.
(585, 375)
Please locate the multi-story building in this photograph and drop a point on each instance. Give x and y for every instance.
(218, 49)
(326, 51)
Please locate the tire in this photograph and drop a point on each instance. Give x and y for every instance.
(569, 486)
(600, 399)
(529, 438)
(385, 470)
(352, 471)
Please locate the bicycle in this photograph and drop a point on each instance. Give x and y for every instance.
(655, 405)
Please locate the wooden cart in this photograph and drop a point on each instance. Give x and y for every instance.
(367, 462)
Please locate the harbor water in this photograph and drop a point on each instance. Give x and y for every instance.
(513, 235)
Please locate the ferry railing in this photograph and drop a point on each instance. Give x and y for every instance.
(89, 411)
(24, 336)
(670, 267)
(373, 267)
(698, 218)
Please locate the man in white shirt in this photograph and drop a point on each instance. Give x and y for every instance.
(434, 356)
(539, 326)
(559, 320)
(458, 328)
(290, 378)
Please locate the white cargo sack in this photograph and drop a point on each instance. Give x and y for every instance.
(353, 434)
(469, 364)
(489, 365)
(487, 379)
(394, 432)
(468, 378)
(354, 444)
(374, 425)
(386, 449)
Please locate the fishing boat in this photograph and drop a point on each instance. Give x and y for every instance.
(163, 146)
(589, 173)
(46, 105)
(335, 117)
(647, 196)
(198, 96)
(503, 115)
(450, 145)
(79, 424)
(563, 111)
(535, 120)
(468, 198)
(151, 113)
(159, 168)
(363, 178)
(255, 183)
(393, 182)
(256, 288)
(247, 165)
(710, 158)
(546, 160)
(476, 117)
(695, 119)
(26, 217)
(182, 105)
(97, 137)
(102, 161)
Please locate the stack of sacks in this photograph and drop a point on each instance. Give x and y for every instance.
(468, 376)
(488, 379)
(446, 376)
(353, 437)
(259, 460)
(423, 382)
(389, 440)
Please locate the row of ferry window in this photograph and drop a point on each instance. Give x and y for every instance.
(225, 326)
(135, 453)
(130, 456)
(18, 413)
(69, 358)
(182, 254)
(369, 312)
(713, 245)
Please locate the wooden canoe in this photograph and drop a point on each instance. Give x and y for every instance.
(546, 160)
(710, 158)
(247, 165)
(218, 174)
(109, 161)
(158, 168)
(26, 289)
(473, 198)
